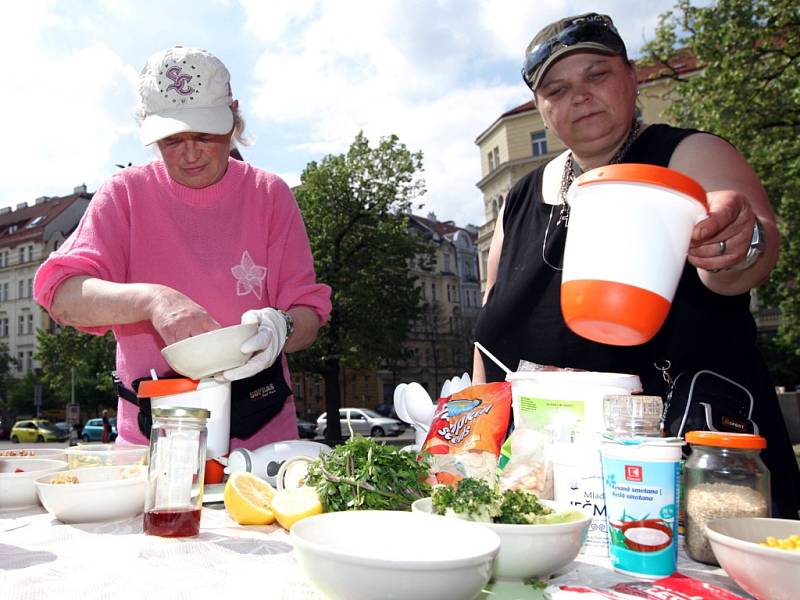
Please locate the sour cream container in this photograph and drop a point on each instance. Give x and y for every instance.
(641, 474)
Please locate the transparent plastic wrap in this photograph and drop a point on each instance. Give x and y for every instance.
(529, 465)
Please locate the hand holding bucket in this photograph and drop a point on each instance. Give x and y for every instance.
(629, 232)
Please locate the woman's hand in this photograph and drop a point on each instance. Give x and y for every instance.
(721, 240)
(175, 316)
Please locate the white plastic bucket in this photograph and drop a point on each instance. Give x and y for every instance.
(211, 395)
(578, 481)
(565, 404)
(630, 226)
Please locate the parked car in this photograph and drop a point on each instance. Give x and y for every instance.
(364, 421)
(93, 430)
(36, 430)
(306, 429)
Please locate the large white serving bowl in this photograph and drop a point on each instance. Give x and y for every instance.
(17, 488)
(766, 573)
(102, 494)
(106, 455)
(209, 353)
(28, 452)
(394, 555)
(529, 550)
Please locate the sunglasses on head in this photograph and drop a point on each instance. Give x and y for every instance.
(597, 28)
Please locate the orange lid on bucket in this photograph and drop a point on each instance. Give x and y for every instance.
(649, 174)
(154, 388)
(720, 439)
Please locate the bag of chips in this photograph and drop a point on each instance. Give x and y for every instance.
(466, 433)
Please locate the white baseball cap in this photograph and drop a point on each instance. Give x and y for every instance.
(184, 89)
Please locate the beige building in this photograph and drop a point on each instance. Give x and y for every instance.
(517, 142)
(27, 236)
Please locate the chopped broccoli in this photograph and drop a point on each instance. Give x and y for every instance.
(472, 500)
(520, 507)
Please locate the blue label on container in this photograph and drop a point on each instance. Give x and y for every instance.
(641, 505)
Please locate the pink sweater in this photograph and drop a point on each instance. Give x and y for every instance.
(236, 245)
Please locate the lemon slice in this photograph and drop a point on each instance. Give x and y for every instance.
(292, 504)
(248, 498)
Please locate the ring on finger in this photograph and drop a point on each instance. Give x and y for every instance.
(722, 247)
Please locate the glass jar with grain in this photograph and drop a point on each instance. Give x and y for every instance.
(723, 477)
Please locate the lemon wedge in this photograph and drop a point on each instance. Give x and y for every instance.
(292, 504)
(248, 499)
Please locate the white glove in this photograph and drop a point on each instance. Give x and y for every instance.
(267, 343)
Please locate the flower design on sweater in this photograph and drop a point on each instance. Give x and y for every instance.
(249, 277)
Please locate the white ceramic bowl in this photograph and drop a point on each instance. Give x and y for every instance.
(394, 555)
(17, 489)
(209, 353)
(529, 550)
(27, 452)
(106, 455)
(766, 573)
(102, 494)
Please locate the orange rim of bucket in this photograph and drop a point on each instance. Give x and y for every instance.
(726, 440)
(650, 174)
(153, 388)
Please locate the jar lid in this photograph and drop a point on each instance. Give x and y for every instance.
(153, 388)
(180, 412)
(649, 174)
(726, 440)
(632, 414)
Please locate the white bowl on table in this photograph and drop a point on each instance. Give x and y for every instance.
(27, 452)
(529, 550)
(101, 494)
(211, 352)
(766, 573)
(394, 555)
(17, 475)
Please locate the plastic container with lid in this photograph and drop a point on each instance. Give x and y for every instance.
(723, 477)
(174, 495)
(630, 226)
(632, 415)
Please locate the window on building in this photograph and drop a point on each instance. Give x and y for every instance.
(4, 327)
(30, 253)
(29, 329)
(34, 222)
(12, 229)
(3, 259)
(22, 255)
(448, 292)
(490, 158)
(539, 143)
(20, 360)
(30, 288)
(496, 152)
(446, 261)
(21, 325)
(20, 288)
(433, 292)
(29, 361)
(3, 292)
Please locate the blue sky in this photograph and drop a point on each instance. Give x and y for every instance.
(309, 74)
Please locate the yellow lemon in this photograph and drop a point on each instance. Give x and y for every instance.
(291, 505)
(248, 498)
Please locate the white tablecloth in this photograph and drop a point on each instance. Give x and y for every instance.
(41, 558)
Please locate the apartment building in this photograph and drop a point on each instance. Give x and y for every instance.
(28, 233)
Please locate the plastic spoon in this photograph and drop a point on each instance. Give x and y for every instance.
(445, 389)
(419, 405)
(400, 403)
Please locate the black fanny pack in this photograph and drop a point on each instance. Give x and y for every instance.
(707, 401)
(254, 401)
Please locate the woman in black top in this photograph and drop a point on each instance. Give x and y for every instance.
(585, 90)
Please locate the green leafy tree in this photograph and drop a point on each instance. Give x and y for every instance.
(355, 207)
(748, 93)
(69, 356)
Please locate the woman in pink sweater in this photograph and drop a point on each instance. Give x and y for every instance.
(190, 243)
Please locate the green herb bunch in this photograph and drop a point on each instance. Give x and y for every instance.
(363, 474)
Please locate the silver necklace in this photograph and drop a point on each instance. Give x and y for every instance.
(571, 170)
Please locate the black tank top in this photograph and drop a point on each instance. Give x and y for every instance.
(522, 315)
